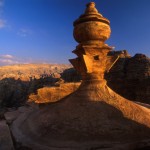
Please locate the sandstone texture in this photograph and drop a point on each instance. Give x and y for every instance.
(53, 94)
(27, 72)
(130, 77)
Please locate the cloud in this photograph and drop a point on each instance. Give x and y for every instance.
(9, 60)
(6, 56)
(6, 60)
(24, 32)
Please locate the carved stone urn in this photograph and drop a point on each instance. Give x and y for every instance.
(91, 28)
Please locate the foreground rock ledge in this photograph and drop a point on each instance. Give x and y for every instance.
(86, 122)
(94, 116)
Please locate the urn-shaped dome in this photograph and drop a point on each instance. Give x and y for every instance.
(91, 27)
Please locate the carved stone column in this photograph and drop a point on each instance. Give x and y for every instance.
(91, 31)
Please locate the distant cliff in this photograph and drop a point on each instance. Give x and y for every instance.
(130, 77)
(27, 72)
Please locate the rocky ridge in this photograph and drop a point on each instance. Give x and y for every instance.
(130, 77)
(27, 72)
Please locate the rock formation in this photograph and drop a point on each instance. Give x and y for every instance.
(19, 81)
(13, 93)
(28, 72)
(54, 93)
(130, 77)
(93, 117)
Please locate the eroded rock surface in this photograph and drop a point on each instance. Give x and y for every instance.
(53, 94)
(6, 142)
(130, 77)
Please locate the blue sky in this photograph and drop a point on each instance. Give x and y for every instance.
(40, 31)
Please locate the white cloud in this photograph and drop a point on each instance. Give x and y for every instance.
(24, 32)
(6, 56)
(8, 60)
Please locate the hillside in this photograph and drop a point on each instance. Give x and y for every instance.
(19, 81)
(26, 72)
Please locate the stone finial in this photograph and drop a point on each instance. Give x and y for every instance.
(91, 8)
(91, 27)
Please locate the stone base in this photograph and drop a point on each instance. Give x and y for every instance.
(5, 137)
(92, 117)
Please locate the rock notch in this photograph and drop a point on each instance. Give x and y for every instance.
(94, 116)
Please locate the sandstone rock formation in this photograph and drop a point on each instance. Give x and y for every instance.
(94, 116)
(130, 77)
(13, 93)
(54, 93)
(27, 72)
(6, 142)
(19, 81)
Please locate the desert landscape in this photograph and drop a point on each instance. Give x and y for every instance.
(129, 77)
(101, 101)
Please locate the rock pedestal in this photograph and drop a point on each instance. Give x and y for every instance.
(94, 116)
(91, 30)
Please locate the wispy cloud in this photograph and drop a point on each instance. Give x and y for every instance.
(7, 60)
(6, 56)
(12, 60)
(24, 32)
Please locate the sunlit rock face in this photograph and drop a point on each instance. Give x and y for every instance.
(91, 27)
(93, 116)
(53, 94)
(90, 31)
